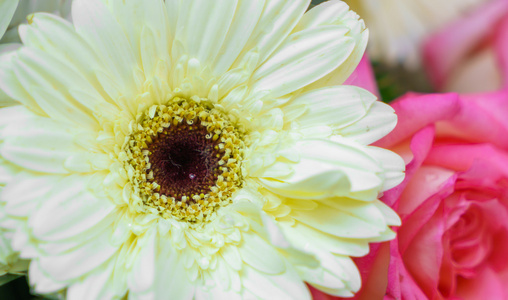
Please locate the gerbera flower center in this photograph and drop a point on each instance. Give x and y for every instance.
(183, 160)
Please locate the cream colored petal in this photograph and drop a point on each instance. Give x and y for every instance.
(202, 28)
(69, 210)
(142, 276)
(96, 286)
(57, 37)
(39, 144)
(7, 9)
(303, 58)
(379, 121)
(22, 202)
(348, 220)
(246, 17)
(392, 164)
(152, 37)
(287, 285)
(6, 53)
(96, 24)
(83, 259)
(339, 275)
(301, 235)
(41, 282)
(11, 86)
(171, 275)
(328, 169)
(278, 19)
(336, 12)
(336, 107)
(261, 255)
(48, 82)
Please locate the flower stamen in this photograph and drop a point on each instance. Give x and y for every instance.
(184, 160)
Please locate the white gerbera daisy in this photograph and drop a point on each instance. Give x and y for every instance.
(200, 149)
(398, 27)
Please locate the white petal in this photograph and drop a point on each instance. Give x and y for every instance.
(337, 106)
(326, 13)
(336, 12)
(83, 259)
(142, 275)
(329, 169)
(48, 81)
(304, 236)
(279, 17)
(202, 27)
(95, 286)
(41, 281)
(170, 273)
(392, 164)
(39, 144)
(57, 38)
(246, 17)
(260, 255)
(285, 286)
(338, 276)
(304, 57)
(69, 210)
(135, 17)
(21, 201)
(379, 121)
(361, 220)
(10, 85)
(95, 23)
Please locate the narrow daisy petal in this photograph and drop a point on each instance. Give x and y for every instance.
(379, 121)
(39, 144)
(95, 286)
(84, 259)
(47, 89)
(335, 218)
(317, 54)
(245, 20)
(58, 219)
(57, 38)
(337, 107)
(202, 27)
(277, 21)
(111, 45)
(41, 282)
(328, 169)
(18, 204)
(260, 255)
(276, 287)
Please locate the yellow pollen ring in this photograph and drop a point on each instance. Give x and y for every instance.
(184, 117)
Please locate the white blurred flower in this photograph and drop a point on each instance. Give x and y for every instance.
(398, 27)
(193, 149)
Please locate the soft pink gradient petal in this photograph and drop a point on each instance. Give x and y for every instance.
(420, 146)
(482, 118)
(363, 76)
(444, 51)
(486, 285)
(418, 111)
(460, 157)
(400, 283)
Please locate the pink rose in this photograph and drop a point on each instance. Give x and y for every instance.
(453, 204)
(471, 54)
